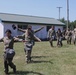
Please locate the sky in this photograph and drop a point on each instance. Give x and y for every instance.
(42, 8)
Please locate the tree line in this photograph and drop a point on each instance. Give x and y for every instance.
(72, 24)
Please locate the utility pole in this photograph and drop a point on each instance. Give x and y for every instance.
(67, 14)
(59, 11)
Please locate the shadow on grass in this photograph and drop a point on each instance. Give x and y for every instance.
(25, 73)
(40, 56)
(41, 61)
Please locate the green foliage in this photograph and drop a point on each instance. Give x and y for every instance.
(72, 24)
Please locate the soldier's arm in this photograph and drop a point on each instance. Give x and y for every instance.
(21, 36)
(36, 38)
(63, 35)
(48, 35)
(22, 30)
(37, 30)
(17, 39)
(56, 34)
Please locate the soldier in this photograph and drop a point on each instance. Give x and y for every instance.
(59, 37)
(9, 51)
(74, 36)
(29, 41)
(51, 35)
(68, 36)
(63, 32)
(33, 31)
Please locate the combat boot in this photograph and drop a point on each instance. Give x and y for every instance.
(6, 72)
(14, 69)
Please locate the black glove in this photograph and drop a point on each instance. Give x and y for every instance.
(13, 26)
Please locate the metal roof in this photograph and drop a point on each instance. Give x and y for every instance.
(28, 19)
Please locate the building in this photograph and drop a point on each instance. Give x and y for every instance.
(22, 21)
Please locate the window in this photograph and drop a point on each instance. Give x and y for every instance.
(22, 26)
(48, 27)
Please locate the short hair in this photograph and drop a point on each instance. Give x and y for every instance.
(8, 30)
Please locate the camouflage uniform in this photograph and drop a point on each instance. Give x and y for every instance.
(59, 38)
(51, 36)
(8, 45)
(29, 42)
(69, 36)
(74, 36)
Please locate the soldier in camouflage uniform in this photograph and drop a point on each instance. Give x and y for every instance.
(74, 36)
(59, 37)
(68, 36)
(9, 51)
(29, 41)
(63, 32)
(51, 35)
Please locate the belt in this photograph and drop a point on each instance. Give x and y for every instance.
(8, 48)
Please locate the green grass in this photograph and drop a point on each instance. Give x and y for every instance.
(46, 60)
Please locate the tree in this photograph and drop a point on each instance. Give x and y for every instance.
(64, 21)
(72, 24)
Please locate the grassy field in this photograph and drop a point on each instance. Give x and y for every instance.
(46, 60)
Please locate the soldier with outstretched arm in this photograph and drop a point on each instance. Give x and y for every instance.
(9, 51)
(24, 30)
(29, 41)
